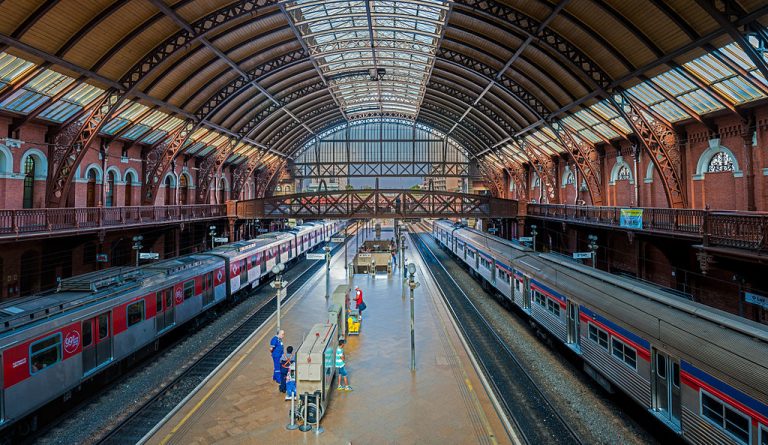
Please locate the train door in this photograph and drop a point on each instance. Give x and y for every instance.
(526, 293)
(97, 342)
(665, 388)
(164, 316)
(208, 295)
(573, 324)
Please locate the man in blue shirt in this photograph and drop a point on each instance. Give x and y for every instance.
(276, 350)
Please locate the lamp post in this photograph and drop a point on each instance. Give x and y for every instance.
(278, 284)
(327, 250)
(345, 248)
(533, 235)
(402, 259)
(137, 246)
(413, 284)
(593, 247)
(213, 234)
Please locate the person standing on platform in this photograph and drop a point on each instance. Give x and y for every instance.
(394, 258)
(276, 349)
(285, 366)
(359, 303)
(341, 367)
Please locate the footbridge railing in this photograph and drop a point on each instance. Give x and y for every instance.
(380, 203)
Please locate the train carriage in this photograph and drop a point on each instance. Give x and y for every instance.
(50, 343)
(701, 371)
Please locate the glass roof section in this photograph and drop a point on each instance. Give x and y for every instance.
(376, 55)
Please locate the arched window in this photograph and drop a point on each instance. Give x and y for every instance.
(222, 191)
(110, 189)
(570, 179)
(91, 189)
(168, 191)
(624, 174)
(183, 188)
(536, 181)
(720, 162)
(128, 189)
(29, 182)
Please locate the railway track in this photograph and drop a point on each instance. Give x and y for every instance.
(536, 419)
(134, 427)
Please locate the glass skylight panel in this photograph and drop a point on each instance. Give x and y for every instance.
(11, 67)
(399, 37)
(71, 103)
(124, 119)
(147, 123)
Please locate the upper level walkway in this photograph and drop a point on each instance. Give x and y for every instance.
(379, 203)
(747, 231)
(50, 222)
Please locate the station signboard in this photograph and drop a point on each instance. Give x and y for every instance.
(315, 256)
(582, 255)
(149, 256)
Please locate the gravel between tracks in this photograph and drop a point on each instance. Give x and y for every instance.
(592, 413)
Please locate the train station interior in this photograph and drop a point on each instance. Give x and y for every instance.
(548, 205)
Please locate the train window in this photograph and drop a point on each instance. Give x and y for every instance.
(725, 417)
(189, 289)
(103, 326)
(553, 307)
(539, 299)
(44, 353)
(676, 374)
(763, 435)
(87, 333)
(661, 366)
(598, 336)
(625, 353)
(135, 312)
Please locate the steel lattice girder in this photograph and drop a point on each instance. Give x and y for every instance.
(183, 38)
(381, 169)
(568, 53)
(377, 203)
(543, 166)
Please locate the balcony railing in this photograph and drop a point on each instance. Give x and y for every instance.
(28, 222)
(739, 230)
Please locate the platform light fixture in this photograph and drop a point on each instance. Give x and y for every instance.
(213, 235)
(137, 246)
(533, 235)
(593, 247)
(279, 284)
(413, 284)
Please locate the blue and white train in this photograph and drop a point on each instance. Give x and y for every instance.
(701, 371)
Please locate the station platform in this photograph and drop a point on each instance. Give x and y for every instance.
(443, 401)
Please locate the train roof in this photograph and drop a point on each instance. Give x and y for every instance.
(720, 339)
(72, 293)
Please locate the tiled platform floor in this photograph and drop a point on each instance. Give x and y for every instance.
(443, 402)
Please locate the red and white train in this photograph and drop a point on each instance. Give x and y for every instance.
(52, 342)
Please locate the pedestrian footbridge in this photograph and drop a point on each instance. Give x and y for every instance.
(380, 203)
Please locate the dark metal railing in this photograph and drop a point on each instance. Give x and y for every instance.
(739, 230)
(43, 221)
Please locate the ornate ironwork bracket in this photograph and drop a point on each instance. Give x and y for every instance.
(160, 158)
(661, 141)
(71, 143)
(544, 167)
(244, 171)
(211, 167)
(586, 159)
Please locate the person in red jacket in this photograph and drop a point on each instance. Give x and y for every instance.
(359, 303)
